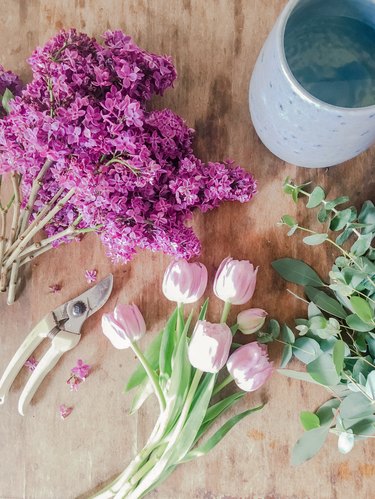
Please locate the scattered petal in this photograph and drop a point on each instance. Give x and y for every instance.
(55, 288)
(65, 411)
(81, 370)
(91, 275)
(346, 441)
(31, 364)
(74, 383)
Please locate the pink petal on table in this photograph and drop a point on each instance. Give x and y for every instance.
(31, 364)
(81, 370)
(65, 411)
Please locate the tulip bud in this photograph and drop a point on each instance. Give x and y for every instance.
(184, 282)
(235, 281)
(251, 320)
(250, 367)
(124, 326)
(209, 346)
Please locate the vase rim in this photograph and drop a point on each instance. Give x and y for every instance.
(281, 26)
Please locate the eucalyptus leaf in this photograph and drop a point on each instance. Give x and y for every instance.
(287, 334)
(335, 202)
(306, 349)
(323, 370)
(297, 271)
(325, 302)
(288, 220)
(286, 355)
(322, 215)
(315, 239)
(344, 236)
(301, 376)
(356, 405)
(367, 216)
(340, 220)
(316, 197)
(362, 309)
(313, 310)
(274, 329)
(362, 244)
(338, 355)
(365, 426)
(309, 420)
(326, 411)
(309, 444)
(362, 367)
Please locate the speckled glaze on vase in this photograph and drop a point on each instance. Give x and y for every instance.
(293, 124)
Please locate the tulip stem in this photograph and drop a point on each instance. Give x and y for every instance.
(180, 319)
(151, 374)
(225, 313)
(223, 384)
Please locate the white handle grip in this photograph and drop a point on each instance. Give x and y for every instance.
(33, 339)
(61, 343)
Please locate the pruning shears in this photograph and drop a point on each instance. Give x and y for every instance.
(63, 327)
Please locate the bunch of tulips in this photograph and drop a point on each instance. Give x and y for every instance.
(183, 371)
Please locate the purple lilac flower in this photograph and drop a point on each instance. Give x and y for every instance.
(31, 364)
(91, 275)
(81, 370)
(135, 176)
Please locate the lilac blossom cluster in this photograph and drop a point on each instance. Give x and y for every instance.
(134, 174)
(10, 81)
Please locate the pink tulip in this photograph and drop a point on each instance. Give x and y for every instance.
(184, 282)
(250, 367)
(251, 320)
(124, 326)
(209, 346)
(235, 281)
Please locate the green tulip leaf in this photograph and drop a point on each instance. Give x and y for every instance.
(143, 392)
(218, 435)
(202, 314)
(167, 347)
(152, 356)
(297, 271)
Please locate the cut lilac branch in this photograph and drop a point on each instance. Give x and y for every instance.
(13, 280)
(26, 212)
(15, 177)
(37, 228)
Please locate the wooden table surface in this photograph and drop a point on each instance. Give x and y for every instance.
(214, 45)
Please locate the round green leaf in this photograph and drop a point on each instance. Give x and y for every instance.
(338, 355)
(323, 370)
(309, 420)
(315, 239)
(362, 309)
(289, 220)
(316, 197)
(355, 323)
(306, 349)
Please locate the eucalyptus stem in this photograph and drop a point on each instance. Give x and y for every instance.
(225, 313)
(151, 375)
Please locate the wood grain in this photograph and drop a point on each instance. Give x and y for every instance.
(214, 45)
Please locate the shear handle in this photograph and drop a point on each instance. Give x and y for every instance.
(61, 343)
(33, 339)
